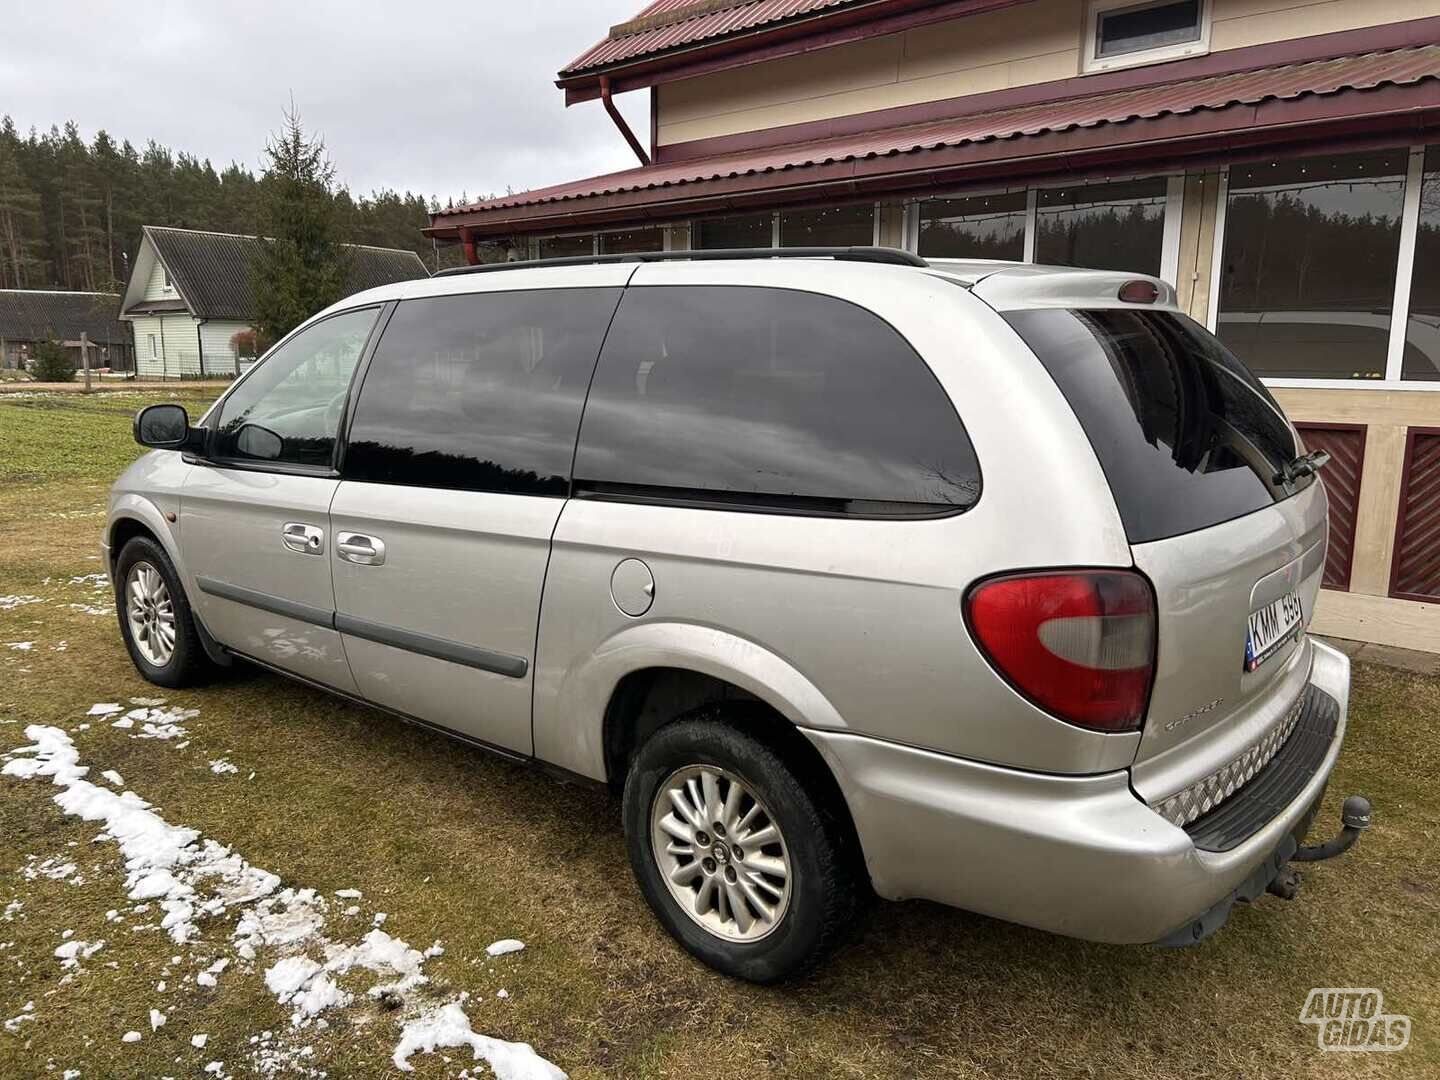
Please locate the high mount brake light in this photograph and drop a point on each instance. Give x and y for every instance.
(1080, 644)
(1139, 292)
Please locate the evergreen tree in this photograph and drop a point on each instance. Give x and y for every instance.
(20, 225)
(300, 265)
(71, 213)
(50, 363)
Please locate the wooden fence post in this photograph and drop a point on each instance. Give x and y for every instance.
(85, 357)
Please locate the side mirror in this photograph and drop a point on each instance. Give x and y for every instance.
(163, 427)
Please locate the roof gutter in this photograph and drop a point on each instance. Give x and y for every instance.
(620, 121)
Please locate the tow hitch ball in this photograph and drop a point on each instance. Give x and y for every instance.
(1354, 819)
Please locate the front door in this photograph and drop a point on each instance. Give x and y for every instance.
(456, 468)
(255, 516)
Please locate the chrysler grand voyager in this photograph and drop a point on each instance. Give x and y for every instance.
(980, 582)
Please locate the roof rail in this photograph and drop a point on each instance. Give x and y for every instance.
(890, 256)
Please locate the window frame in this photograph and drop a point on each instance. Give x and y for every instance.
(1170, 242)
(1091, 62)
(1400, 305)
(383, 312)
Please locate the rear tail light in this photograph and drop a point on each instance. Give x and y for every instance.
(1079, 644)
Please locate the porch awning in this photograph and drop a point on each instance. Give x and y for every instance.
(1393, 95)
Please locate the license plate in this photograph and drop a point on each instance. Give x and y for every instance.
(1271, 627)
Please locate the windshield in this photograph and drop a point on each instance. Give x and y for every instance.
(1186, 434)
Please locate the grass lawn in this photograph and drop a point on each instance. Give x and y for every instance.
(458, 848)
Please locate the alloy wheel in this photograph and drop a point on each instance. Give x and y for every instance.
(721, 853)
(150, 613)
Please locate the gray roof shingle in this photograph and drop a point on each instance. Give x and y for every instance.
(212, 270)
(35, 314)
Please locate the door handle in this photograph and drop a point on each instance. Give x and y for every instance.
(306, 539)
(359, 548)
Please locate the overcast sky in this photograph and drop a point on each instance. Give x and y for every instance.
(435, 96)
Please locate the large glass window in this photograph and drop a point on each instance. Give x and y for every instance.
(1119, 226)
(837, 226)
(974, 227)
(1308, 276)
(631, 240)
(1187, 437)
(479, 392)
(1422, 329)
(288, 410)
(735, 231)
(769, 399)
(565, 247)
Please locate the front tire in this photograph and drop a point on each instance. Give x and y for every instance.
(155, 618)
(746, 864)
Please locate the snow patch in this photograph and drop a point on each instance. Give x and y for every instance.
(105, 708)
(505, 945)
(448, 1026)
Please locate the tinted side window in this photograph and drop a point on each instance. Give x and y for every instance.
(479, 392)
(289, 409)
(770, 398)
(1187, 436)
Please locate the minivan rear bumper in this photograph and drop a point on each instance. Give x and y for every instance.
(1076, 855)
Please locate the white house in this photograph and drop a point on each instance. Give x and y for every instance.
(189, 295)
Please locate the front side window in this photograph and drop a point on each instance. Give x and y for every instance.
(1308, 276)
(288, 410)
(479, 392)
(1119, 226)
(769, 399)
(974, 227)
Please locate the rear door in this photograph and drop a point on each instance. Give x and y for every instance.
(255, 529)
(1192, 446)
(456, 467)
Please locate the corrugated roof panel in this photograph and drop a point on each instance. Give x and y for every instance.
(37, 314)
(1321, 77)
(212, 270)
(708, 23)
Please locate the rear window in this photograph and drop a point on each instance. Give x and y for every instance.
(1187, 436)
(769, 400)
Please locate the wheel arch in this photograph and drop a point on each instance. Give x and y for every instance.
(132, 516)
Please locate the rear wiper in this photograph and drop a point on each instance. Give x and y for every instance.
(1302, 466)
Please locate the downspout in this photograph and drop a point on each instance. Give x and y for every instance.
(620, 121)
(467, 241)
(200, 345)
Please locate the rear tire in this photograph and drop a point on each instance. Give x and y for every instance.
(155, 618)
(781, 847)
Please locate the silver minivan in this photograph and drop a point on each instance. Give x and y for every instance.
(850, 572)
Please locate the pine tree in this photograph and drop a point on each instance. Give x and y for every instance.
(19, 217)
(299, 266)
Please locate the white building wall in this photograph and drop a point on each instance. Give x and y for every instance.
(155, 287)
(179, 341)
(215, 338)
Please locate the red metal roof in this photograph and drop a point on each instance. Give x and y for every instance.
(665, 24)
(1320, 78)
